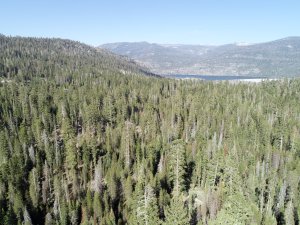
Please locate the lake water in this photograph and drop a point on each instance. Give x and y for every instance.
(218, 78)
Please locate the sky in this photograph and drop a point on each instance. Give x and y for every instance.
(206, 22)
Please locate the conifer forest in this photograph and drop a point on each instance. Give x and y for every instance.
(89, 137)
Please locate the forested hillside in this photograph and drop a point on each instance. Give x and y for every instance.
(86, 138)
(58, 59)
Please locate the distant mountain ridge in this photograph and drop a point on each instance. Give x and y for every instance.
(271, 59)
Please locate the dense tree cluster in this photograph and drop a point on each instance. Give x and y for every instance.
(87, 142)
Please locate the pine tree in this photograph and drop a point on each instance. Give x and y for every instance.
(236, 210)
(64, 213)
(4, 149)
(27, 219)
(177, 166)
(147, 210)
(97, 208)
(34, 188)
(176, 213)
(289, 214)
(49, 220)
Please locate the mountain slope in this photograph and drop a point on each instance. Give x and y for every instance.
(159, 58)
(275, 58)
(25, 58)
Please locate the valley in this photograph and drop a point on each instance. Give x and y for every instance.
(279, 58)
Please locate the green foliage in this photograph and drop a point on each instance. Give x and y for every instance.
(34, 189)
(86, 138)
(177, 166)
(145, 208)
(176, 213)
(97, 208)
(236, 210)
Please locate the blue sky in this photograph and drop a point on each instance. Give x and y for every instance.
(159, 21)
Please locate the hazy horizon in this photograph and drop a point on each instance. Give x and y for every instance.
(167, 22)
(143, 41)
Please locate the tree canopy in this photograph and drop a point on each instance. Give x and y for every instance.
(87, 138)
